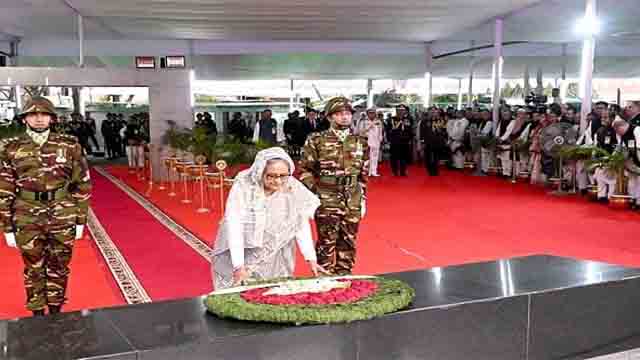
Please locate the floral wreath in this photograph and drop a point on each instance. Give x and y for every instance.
(312, 301)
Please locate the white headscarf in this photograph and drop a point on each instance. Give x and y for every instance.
(260, 163)
(247, 215)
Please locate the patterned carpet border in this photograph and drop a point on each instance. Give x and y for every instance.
(182, 233)
(132, 289)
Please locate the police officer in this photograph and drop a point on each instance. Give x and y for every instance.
(335, 166)
(107, 128)
(400, 135)
(44, 194)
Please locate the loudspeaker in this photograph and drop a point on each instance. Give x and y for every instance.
(3, 61)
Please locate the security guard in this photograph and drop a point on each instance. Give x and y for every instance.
(335, 166)
(44, 193)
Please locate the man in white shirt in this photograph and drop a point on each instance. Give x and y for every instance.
(629, 138)
(455, 130)
(373, 130)
(503, 133)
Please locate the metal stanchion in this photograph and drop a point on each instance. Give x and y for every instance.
(199, 171)
(171, 170)
(148, 165)
(183, 171)
(221, 165)
(163, 179)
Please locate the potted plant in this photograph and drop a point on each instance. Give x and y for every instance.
(11, 130)
(615, 164)
(585, 154)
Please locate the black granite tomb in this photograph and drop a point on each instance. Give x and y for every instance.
(534, 307)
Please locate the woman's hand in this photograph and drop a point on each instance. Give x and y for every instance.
(317, 269)
(239, 275)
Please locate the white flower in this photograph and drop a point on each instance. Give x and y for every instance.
(310, 286)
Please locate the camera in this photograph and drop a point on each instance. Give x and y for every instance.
(536, 103)
(537, 100)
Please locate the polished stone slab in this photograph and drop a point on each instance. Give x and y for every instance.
(585, 322)
(451, 285)
(178, 324)
(473, 311)
(493, 330)
(336, 342)
(77, 335)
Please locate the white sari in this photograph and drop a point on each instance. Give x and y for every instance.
(258, 231)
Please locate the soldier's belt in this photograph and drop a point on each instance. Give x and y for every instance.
(346, 180)
(44, 196)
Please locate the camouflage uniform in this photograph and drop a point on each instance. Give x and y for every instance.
(44, 193)
(337, 171)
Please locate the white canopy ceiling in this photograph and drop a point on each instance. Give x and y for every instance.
(403, 20)
(242, 39)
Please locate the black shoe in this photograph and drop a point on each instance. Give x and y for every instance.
(38, 312)
(584, 192)
(603, 200)
(54, 309)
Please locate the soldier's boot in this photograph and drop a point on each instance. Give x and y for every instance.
(38, 312)
(54, 309)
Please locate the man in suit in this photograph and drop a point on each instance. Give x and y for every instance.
(632, 112)
(309, 125)
(267, 129)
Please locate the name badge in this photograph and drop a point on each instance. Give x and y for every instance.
(60, 158)
(359, 151)
(632, 143)
(21, 153)
(607, 140)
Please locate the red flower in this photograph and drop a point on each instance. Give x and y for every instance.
(358, 290)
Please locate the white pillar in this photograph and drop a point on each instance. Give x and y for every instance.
(460, 94)
(564, 84)
(81, 40)
(527, 85)
(18, 98)
(471, 67)
(497, 70)
(292, 96)
(83, 100)
(428, 80)
(14, 62)
(369, 93)
(539, 82)
(586, 70)
(14, 45)
(470, 92)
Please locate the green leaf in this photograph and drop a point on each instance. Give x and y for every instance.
(392, 295)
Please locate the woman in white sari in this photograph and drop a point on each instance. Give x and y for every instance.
(267, 212)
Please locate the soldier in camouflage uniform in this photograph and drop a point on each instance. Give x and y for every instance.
(335, 166)
(44, 193)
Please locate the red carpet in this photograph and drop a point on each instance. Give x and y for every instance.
(90, 285)
(164, 264)
(422, 221)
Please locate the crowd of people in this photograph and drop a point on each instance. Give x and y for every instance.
(268, 210)
(512, 147)
(121, 138)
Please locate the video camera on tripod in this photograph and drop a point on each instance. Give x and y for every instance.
(537, 103)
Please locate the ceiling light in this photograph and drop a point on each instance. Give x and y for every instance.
(589, 25)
